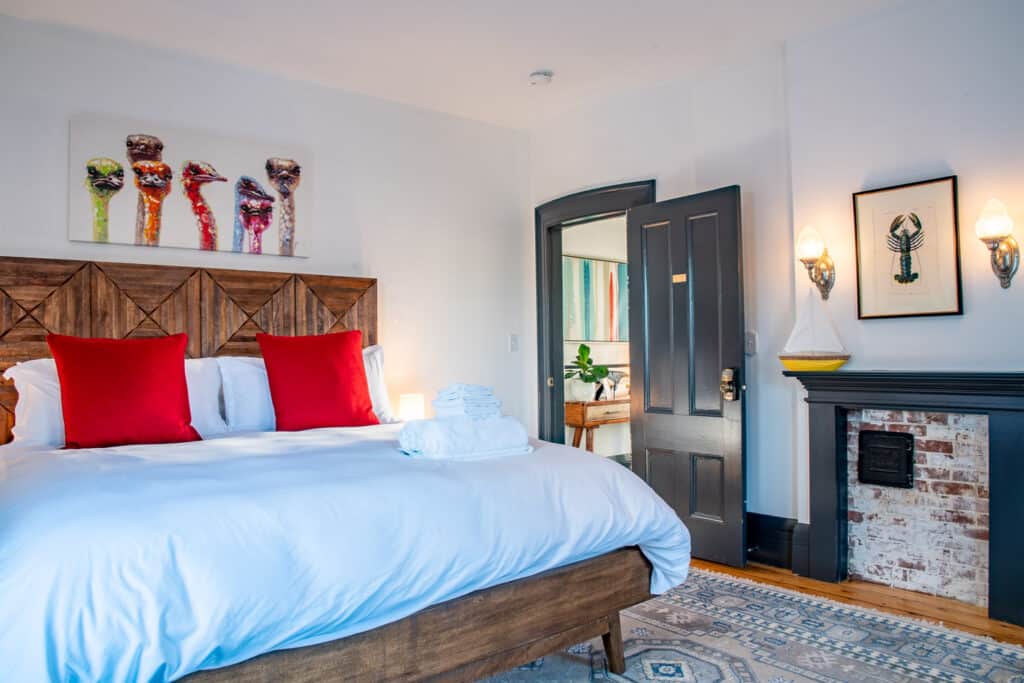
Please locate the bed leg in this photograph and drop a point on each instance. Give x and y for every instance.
(613, 645)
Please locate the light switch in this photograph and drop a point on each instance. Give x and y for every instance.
(513, 342)
(750, 343)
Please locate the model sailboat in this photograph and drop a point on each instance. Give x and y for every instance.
(814, 344)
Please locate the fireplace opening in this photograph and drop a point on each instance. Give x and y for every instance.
(886, 459)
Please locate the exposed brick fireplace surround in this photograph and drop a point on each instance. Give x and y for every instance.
(957, 531)
(933, 537)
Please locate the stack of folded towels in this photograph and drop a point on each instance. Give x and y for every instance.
(469, 426)
(467, 400)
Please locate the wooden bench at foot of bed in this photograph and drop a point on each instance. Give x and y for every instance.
(474, 636)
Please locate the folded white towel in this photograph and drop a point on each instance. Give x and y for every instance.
(481, 455)
(463, 437)
(473, 402)
(480, 414)
(467, 405)
(467, 400)
(465, 391)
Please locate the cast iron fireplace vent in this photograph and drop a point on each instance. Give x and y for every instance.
(886, 458)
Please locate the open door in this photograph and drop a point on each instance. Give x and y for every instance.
(687, 332)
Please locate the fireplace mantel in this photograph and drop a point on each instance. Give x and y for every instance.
(999, 395)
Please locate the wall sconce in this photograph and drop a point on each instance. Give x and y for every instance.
(811, 251)
(994, 228)
(411, 407)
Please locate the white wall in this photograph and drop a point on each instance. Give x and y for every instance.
(432, 205)
(725, 127)
(931, 88)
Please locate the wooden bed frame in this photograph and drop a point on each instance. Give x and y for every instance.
(222, 310)
(474, 636)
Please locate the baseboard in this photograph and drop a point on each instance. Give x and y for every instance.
(802, 550)
(770, 539)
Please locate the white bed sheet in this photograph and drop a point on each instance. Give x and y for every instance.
(152, 562)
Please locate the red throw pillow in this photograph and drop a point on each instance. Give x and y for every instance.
(317, 381)
(123, 391)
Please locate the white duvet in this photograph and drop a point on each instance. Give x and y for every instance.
(151, 562)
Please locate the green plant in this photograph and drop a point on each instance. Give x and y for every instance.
(584, 367)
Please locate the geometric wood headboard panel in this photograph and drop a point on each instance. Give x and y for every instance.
(221, 310)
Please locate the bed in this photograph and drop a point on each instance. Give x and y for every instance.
(317, 555)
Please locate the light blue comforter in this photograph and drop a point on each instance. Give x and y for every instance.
(146, 563)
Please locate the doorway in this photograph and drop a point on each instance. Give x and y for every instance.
(685, 332)
(595, 327)
(576, 218)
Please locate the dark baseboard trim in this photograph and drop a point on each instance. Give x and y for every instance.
(802, 550)
(770, 539)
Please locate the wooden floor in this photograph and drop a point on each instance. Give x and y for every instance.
(951, 613)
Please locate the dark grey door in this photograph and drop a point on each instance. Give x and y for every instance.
(686, 355)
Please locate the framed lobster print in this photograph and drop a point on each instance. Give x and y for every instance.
(908, 250)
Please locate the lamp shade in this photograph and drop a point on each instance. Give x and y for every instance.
(411, 407)
(809, 245)
(994, 221)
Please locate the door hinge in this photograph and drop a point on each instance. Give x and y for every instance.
(551, 382)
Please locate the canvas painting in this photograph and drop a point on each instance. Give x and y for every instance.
(595, 300)
(908, 250)
(150, 185)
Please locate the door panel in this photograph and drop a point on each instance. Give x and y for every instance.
(658, 343)
(704, 266)
(688, 440)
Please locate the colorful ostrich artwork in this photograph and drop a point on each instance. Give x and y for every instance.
(104, 178)
(194, 175)
(153, 178)
(190, 187)
(284, 176)
(255, 211)
(141, 147)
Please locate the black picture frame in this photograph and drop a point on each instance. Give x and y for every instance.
(954, 203)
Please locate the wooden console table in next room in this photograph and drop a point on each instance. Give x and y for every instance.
(589, 415)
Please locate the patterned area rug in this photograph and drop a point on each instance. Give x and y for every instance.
(716, 628)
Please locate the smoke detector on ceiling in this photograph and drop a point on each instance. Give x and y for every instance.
(541, 77)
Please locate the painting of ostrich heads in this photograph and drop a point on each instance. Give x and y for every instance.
(284, 176)
(195, 175)
(153, 179)
(103, 179)
(908, 250)
(254, 210)
(152, 185)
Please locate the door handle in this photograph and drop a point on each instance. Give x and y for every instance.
(727, 385)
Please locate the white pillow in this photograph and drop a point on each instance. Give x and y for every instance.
(248, 405)
(39, 419)
(373, 360)
(204, 395)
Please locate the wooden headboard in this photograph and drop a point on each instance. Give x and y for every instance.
(220, 310)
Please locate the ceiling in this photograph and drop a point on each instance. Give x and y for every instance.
(465, 57)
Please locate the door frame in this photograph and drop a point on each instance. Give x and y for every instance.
(549, 219)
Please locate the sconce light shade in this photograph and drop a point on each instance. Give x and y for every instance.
(994, 221)
(809, 245)
(811, 251)
(411, 407)
(994, 228)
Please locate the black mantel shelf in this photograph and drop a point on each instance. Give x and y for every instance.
(1000, 395)
(941, 383)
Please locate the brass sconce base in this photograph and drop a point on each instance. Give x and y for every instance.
(1005, 258)
(822, 272)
